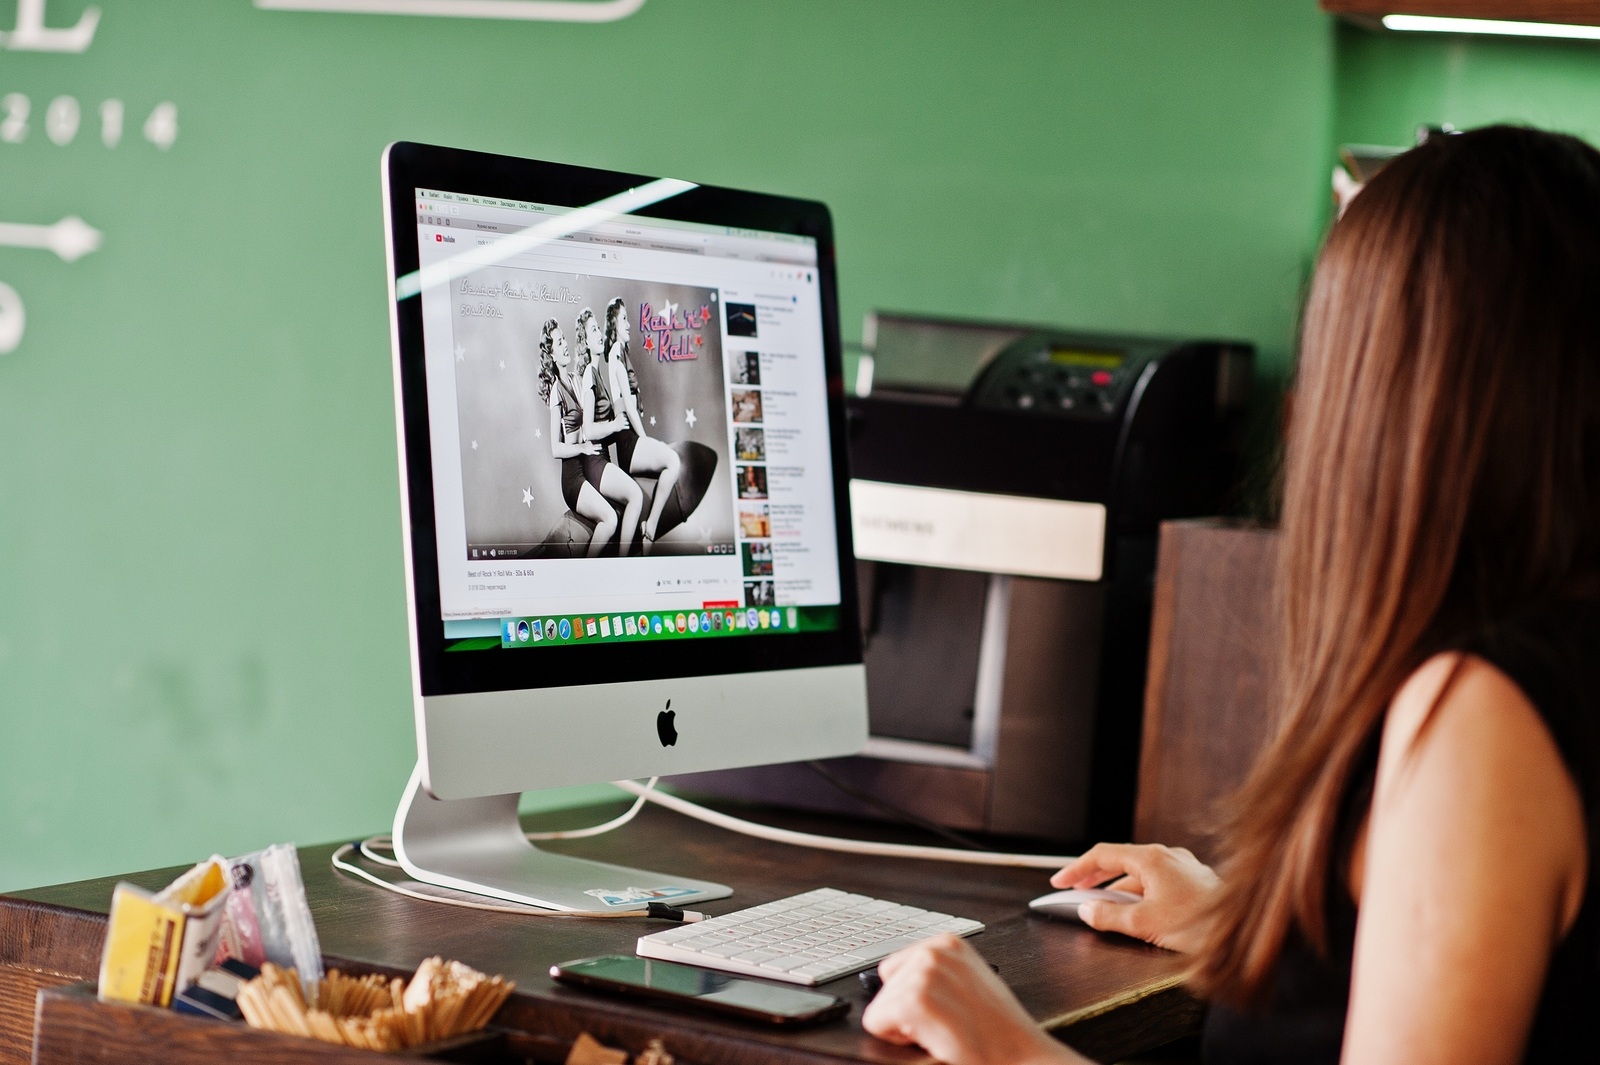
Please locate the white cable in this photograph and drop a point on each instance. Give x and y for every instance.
(400, 889)
(372, 844)
(832, 843)
(614, 823)
(646, 793)
(369, 850)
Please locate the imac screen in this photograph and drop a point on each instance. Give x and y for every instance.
(629, 428)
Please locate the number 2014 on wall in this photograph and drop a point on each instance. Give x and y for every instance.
(64, 117)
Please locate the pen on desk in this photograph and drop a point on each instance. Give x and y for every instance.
(872, 983)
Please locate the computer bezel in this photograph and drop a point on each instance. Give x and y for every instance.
(408, 167)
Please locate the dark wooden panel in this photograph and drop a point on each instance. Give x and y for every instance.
(40, 946)
(1584, 12)
(1065, 975)
(74, 1027)
(1209, 695)
(18, 989)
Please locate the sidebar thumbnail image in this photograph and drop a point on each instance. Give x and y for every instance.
(755, 522)
(752, 482)
(741, 319)
(744, 368)
(757, 558)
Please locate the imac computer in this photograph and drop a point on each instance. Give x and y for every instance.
(624, 501)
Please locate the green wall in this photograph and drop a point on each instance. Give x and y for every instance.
(1389, 84)
(202, 636)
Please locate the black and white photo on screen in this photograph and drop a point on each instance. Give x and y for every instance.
(591, 416)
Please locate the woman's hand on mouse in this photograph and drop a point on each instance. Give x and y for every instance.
(1177, 889)
(940, 995)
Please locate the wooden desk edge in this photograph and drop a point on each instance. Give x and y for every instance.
(1073, 1018)
(1106, 1031)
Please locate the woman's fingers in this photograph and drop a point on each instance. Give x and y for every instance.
(883, 1018)
(941, 995)
(1175, 891)
(892, 964)
(1123, 917)
(1102, 862)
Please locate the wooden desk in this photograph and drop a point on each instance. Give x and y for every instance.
(1110, 997)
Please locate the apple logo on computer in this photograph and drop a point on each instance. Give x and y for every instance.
(664, 726)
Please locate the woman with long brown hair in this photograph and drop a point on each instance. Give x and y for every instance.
(1407, 872)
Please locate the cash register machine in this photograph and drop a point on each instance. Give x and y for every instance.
(1008, 485)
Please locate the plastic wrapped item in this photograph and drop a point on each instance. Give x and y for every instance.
(268, 918)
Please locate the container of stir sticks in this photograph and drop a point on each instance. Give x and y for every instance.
(443, 1000)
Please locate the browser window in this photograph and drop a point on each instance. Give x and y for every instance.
(629, 426)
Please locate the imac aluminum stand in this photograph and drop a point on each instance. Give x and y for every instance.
(477, 845)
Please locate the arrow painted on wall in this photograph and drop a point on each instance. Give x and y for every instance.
(71, 238)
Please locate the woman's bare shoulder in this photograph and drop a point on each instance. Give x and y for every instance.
(1463, 688)
(1461, 730)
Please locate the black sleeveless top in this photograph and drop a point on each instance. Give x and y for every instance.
(571, 411)
(1553, 656)
(604, 409)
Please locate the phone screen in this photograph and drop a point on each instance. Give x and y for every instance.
(714, 990)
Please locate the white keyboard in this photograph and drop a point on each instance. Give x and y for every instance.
(804, 939)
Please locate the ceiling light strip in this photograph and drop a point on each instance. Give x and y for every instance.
(1495, 27)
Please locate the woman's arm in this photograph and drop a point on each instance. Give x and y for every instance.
(626, 401)
(592, 429)
(1473, 868)
(942, 996)
(558, 441)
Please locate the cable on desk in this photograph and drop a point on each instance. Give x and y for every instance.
(889, 809)
(833, 843)
(372, 844)
(647, 793)
(653, 910)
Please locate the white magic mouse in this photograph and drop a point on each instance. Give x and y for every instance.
(1065, 903)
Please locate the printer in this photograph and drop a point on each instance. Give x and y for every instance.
(1007, 486)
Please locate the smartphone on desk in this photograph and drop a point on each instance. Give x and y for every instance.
(704, 989)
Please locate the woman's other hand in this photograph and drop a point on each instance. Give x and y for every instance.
(1177, 890)
(588, 447)
(940, 995)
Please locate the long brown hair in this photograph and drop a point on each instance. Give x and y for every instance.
(1442, 471)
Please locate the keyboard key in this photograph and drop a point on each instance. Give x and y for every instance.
(784, 962)
(756, 957)
(881, 950)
